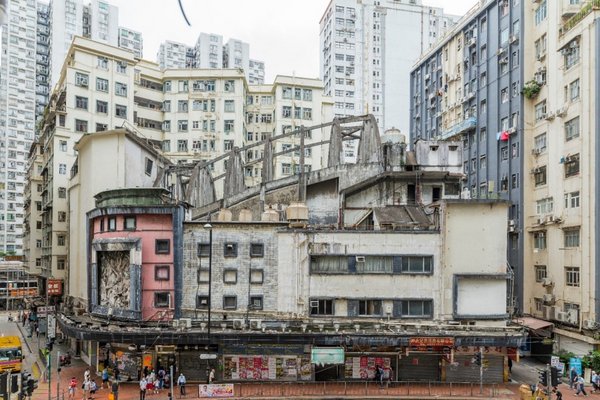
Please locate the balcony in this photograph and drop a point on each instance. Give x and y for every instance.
(459, 128)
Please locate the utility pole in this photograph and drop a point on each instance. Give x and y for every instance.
(57, 375)
(549, 386)
(481, 371)
(172, 380)
(49, 366)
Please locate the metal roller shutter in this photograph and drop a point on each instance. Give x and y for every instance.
(191, 366)
(419, 367)
(465, 371)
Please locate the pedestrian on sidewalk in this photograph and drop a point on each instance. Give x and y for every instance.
(143, 386)
(86, 374)
(72, 388)
(572, 378)
(595, 379)
(557, 393)
(115, 389)
(211, 376)
(93, 388)
(580, 386)
(181, 383)
(86, 388)
(105, 378)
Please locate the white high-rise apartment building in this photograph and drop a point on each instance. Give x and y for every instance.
(131, 40)
(210, 52)
(256, 72)
(367, 50)
(17, 111)
(172, 55)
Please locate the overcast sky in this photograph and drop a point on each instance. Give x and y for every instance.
(282, 33)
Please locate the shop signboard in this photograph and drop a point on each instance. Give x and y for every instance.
(327, 355)
(575, 362)
(216, 390)
(51, 326)
(54, 287)
(42, 311)
(423, 342)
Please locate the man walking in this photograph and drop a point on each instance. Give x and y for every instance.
(580, 383)
(181, 383)
(572, 377)
(115, 389)
(143, 386)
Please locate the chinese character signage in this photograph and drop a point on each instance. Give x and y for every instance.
(54, 287)
(431, 342)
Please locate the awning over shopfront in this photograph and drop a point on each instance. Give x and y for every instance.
(534, 324)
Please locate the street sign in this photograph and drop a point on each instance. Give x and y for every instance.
(43, 310)
(51, 326)
(208, 356)
(554, 361)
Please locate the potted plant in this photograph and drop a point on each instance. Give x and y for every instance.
(531, 89)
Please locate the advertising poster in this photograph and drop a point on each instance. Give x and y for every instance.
(363, 368)
(216, 390)
(256, 368)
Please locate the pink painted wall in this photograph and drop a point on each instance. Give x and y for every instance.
(149, 227)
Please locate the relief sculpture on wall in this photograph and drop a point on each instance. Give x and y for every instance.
(114, 279)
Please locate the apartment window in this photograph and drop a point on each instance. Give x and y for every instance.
(540, 110)
(572, 129)
(120, 89)
(307, 113)
(256, 303)
(101, 85)
(120, 111)
(539, 176)
(161, 299)
(504, 153)
(229, 86)
(81, 126)
(571, 165)
(229, 106)
(540, 143)
(202, 302)
(62, 169)
(416, 308)
(321, 307)
(203, 249)
(81, 80)
(227, 145)
(182, 106)
(540, 47)
(121, 67)
(541, 12)
(256, 276)
(307, 94)
(183, 86)
(541, 273)
(162, 272)
(102, 63)
(574, 90)
(286, 112)
(101, 127)
(62, 192)
(228, 125)
(61, 240)
(572, 199)
(129, 223)
(182, 125)
(257, 250)
(571, 236)
(162, 246)
(369, 307)
(417, 264)
(81, 102)
(101, 107)
(571, 54)
(230, 276)
(230, 249)
(539, 240)
(148, 166)
(182, 145)
(112, 223)
(62, 216)
(545, 206)
(229, 302)
(572, 276)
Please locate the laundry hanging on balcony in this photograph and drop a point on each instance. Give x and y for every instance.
(503, 136)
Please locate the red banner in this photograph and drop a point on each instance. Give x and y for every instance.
(431, 342)
(54, 287)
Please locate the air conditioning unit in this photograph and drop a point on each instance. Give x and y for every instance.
(561, 316)
(427, 77)
(388, 309)
(360, 259)
(500, 51)
(511, 222)
(472, 42)
(539, 221)
(573, 317)
(561, 112)
(549, 299)
(541, 56)
(536, 152)
(239, 324)
(185, 322)
(547, 282)
(512, 129)
(255, 324)
(549, 219)
(504, 60)
(589, 324)
(550, 116)
(314, 303)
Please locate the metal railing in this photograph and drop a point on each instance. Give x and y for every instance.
(365, 388)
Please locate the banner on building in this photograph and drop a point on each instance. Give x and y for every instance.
(327, 355)
(54, 287)
(256, 368)
(216, 390)
(364, 368)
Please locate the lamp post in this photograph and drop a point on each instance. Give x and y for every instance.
(208, 227)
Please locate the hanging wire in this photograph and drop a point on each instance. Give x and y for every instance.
(183, 13)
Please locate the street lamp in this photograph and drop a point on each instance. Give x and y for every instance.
(208, 227)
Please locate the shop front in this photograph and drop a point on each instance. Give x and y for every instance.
(462, 367)
(266, 363)
(363, 366)
(422, 358)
